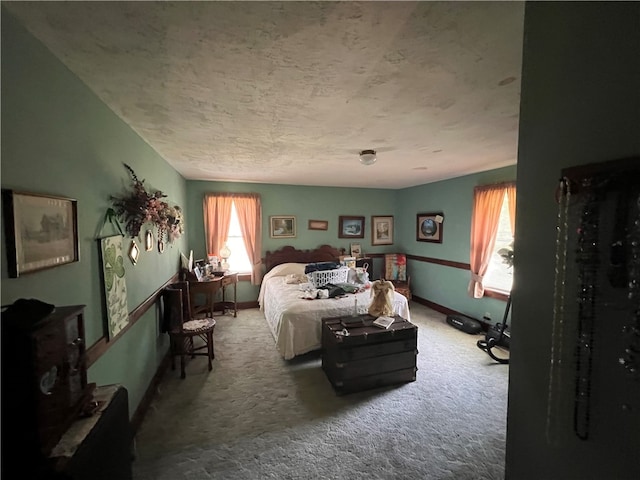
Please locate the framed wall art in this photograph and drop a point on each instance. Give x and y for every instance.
(114, 284)
(318, 225)
(350, 227)
(382, 230)
(283, 226)
(429, 227)
(41, 231)
(134, 252)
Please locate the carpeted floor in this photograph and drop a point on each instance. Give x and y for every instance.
(256, 416)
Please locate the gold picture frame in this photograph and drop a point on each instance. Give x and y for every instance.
(282, 226)
(318, 225)
(41, 231)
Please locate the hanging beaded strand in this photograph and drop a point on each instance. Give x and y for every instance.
(588, 261)
(563, 198)
(631, 355)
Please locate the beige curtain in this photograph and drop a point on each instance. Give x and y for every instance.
(249, 209)
(487, 203)
(511, 198)
(217, 216)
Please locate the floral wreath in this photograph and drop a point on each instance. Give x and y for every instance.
(139, 207)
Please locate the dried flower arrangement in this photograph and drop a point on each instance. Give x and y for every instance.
(139, 207)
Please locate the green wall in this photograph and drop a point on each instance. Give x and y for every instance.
(441, 284)
(303, 202)
(59, 138)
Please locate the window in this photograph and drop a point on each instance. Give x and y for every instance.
(235, 219)
(499, 274)
(239, 260)
(492, 224)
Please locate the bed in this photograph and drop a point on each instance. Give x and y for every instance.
(295, 322)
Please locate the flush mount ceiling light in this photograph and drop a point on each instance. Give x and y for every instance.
(368, 157)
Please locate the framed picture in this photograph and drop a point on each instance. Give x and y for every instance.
(114, 284)
(429, 227)
(41, 231)
(351, 227)
(356, 250)
(282, 226)
(382, 230)
(318, 225)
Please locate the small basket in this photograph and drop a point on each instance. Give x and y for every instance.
(322, 277)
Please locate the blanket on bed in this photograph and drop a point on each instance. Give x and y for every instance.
(296, 322)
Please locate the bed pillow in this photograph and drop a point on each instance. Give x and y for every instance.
(287, 269)
(296, 278)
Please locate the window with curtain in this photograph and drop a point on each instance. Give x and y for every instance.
(239, 260)
(494, 209)
(235, 220)
(499, 275)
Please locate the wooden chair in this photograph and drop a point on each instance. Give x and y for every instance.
(183, 328)
(395, 270)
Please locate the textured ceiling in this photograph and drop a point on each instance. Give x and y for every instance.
(289, 92)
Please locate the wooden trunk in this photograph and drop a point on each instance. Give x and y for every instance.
(369, 357)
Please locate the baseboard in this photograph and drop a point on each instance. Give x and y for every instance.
(145, 403)
(446, 310)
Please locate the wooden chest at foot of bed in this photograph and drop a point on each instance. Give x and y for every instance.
(369, 356)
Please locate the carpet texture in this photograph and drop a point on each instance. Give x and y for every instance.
(256, 416)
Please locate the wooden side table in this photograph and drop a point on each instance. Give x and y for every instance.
(202, 295)
(230, 278)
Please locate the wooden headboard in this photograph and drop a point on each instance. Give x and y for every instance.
(288, 254)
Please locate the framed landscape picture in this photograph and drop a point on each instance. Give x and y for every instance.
(429, 227)
(283, 226)
(41, 231)
(382, 230)
(318, 224)
(351, 227)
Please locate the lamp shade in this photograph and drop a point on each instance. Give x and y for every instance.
(225, 252)
(368, 157)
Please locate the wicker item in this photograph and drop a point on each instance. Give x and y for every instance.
(322, 277)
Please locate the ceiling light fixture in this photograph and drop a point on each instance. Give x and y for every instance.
(368, 157)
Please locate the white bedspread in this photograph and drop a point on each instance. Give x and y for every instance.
(295, 322)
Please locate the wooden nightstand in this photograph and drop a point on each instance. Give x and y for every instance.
(230, 278)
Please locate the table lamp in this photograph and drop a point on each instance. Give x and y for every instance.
(225, 253)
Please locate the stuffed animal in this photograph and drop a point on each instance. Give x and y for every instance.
(382, 303)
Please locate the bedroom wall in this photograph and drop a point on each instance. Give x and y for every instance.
(445, 285)
(305, 203)
(580, 104)
(59, 138)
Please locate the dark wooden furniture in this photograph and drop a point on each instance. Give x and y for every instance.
(288, 254)
(183, 328)
(44, 382)
(98, 447)
(202, 295)
(369, 357)
(229, 278)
